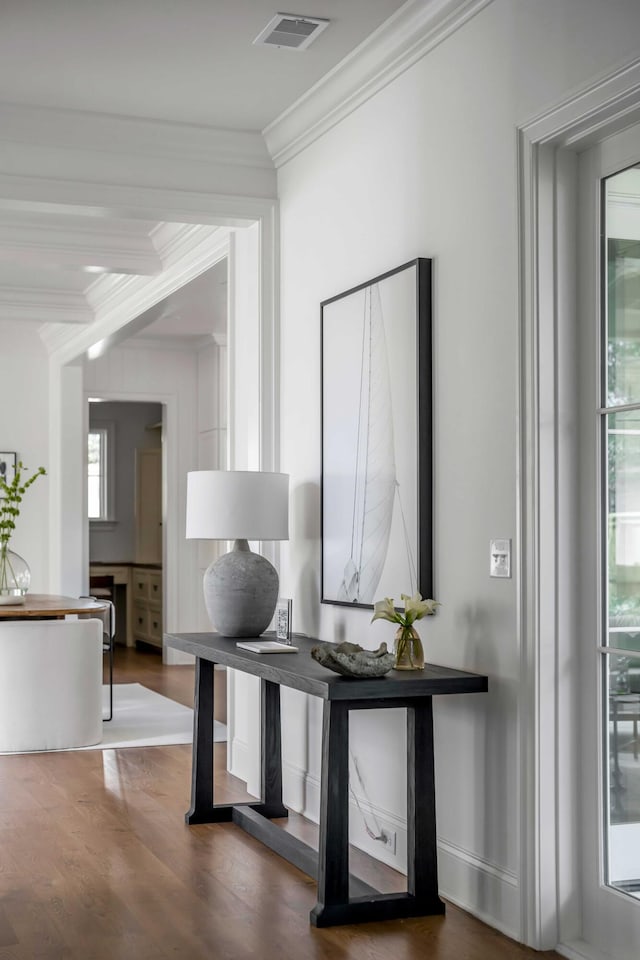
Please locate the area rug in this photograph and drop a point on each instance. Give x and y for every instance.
(144, 718)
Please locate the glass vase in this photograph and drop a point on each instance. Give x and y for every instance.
(408, 649)
(15, 577)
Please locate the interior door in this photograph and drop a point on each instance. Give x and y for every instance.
(149, 505)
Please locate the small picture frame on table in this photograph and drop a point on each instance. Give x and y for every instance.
(283, 620)
(8, 463)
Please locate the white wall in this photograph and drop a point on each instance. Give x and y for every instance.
(427, 167)
(24, 429)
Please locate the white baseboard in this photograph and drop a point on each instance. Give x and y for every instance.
(483, 889)
(238, 758)
(579, 950)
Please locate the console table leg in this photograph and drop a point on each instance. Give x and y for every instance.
(202, 755)
(422, 865)
(271, 752)
(333, 853)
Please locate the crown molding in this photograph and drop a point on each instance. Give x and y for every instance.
(176, 244)
(414, 30)
(106, 133)
(83, 243)
(54, 336)
(119, 301)
(174, 241)
(50, 195)
(43, 305)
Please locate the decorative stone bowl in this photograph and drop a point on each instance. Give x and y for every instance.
(351, 660)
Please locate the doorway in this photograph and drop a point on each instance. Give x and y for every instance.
(125, 498)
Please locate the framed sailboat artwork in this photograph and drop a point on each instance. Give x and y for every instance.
(377, 439)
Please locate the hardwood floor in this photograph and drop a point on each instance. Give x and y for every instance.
(96, 863)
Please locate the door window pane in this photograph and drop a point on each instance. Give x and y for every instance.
(622, 748)
(623, 525)
(622, 285)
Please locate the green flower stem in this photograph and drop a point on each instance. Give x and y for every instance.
(405, 644)
(4, 563)
(11, 495)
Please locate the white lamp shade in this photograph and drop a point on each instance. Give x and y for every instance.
(237, 505)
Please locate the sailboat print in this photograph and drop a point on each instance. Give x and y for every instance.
(375, 480)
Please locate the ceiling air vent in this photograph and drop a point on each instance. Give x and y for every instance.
(291, 31)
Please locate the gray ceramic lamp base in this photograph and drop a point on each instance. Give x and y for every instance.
(240, 592)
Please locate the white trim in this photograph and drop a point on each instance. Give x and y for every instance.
(487, 894)
(129, 298)
(415, 29)
(577, 121)
(173, 241)
(579, 950)
(48, 195)
(80, 130)
(478, 863)
(43, 305)
(80, 243)
(238, 757)
(490, 892)
(544, 242)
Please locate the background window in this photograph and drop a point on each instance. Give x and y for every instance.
(98, 473)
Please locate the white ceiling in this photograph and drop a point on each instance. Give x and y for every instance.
(187, 62)
(191, 61)
(197, 310)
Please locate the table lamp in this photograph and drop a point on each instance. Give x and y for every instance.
(240, 587)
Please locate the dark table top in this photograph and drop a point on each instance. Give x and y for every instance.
(300, 671)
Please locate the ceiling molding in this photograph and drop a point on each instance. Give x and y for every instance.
(77, 130)
(49, 195)
(176, 245)
(414, 30)
(130, 297)
(619, 89)
(174, 241)
(79, 245)
(43, 305)
(55, 335)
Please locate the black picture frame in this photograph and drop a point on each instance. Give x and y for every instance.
(382, 323)
(8, 464)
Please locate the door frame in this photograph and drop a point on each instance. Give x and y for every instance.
(67, 539)
(548, 148)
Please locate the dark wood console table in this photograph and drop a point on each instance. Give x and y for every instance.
(341, 898)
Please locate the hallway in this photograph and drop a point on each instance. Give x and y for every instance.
(98, 864)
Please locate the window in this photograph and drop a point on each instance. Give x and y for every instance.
(99, 470)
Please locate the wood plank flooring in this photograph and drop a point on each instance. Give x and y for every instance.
(96, 863)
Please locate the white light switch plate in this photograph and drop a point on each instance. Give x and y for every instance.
(500, 558)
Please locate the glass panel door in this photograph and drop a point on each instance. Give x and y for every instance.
(620, 424)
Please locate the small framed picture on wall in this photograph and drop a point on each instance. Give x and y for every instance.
(283, 620)
(8, 463)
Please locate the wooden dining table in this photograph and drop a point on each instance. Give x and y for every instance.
(44, 606)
